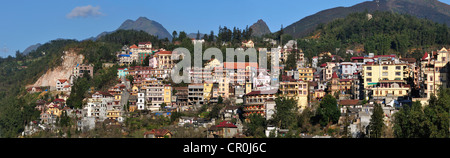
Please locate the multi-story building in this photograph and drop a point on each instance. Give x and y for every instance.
(306, 74)
(347, 69)
(181, 95)
(240, 72)
(327, 70)
(63, 85)
(141, 99)
(164, 59)
(142, 72)
(154, 94)
(168, 94)
(297, 90)
(97, 105)
(373, 73)
(207, 89)
(435, 71)
(80, 69)
(390, 88)
(195, 95)
(255, 102)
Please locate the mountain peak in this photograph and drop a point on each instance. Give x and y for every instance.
(143, 19)
(144, 24)
(260, 28)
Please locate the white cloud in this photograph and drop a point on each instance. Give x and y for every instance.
(84, 11)
(4, 49)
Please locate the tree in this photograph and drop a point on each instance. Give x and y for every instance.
(437, 113)
(146, 61)
(220, 100)
(182, 36)
(198, 35)
(174, 36)
(409, 122)
(286, 110)
(328, 111)
(256, 126)
(376, 122)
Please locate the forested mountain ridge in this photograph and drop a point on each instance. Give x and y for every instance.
(379, 33)
(428, 9)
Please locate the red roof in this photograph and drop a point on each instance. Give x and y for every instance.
(271, 91)
(66, 86)
(334, 75)
(134, 46)
(349, 102)
(59, 100)
(164, 52)
(425, 56)
(158, 132)
(226, 124)
(357, 58)
(323, 65)
(62, 80)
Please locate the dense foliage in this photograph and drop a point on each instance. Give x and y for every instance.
(383, 33)
(328, 111)
(431, 121)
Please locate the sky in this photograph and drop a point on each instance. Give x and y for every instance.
(28, 22)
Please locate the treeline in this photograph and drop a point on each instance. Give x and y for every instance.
(377, 32)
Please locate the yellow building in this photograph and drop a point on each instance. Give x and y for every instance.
(207, 89)
(113, 114)
(134, 90)
(298, 90)
(434, 68)
(168, 94)
(391, 88)
(54, 110)
(374, 73)
(248, 87)
(306, 74)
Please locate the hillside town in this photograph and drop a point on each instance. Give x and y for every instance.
(147, 90)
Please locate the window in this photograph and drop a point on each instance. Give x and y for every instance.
(385, 68)
(431, 87)
(369, 74)
(397, 73)
(369, 68)
(385, 73)
(399, 92)
(398, 68)
(431, 78)
(369, 79)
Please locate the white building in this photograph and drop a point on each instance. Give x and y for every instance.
(347, 69)
(141, 101)
(97, 105)
(63, 85)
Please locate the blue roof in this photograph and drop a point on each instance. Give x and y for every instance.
(124, 55)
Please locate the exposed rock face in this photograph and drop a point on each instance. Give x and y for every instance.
(260, 28)
(70, 59)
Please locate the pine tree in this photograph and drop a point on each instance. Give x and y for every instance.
(376, 122)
